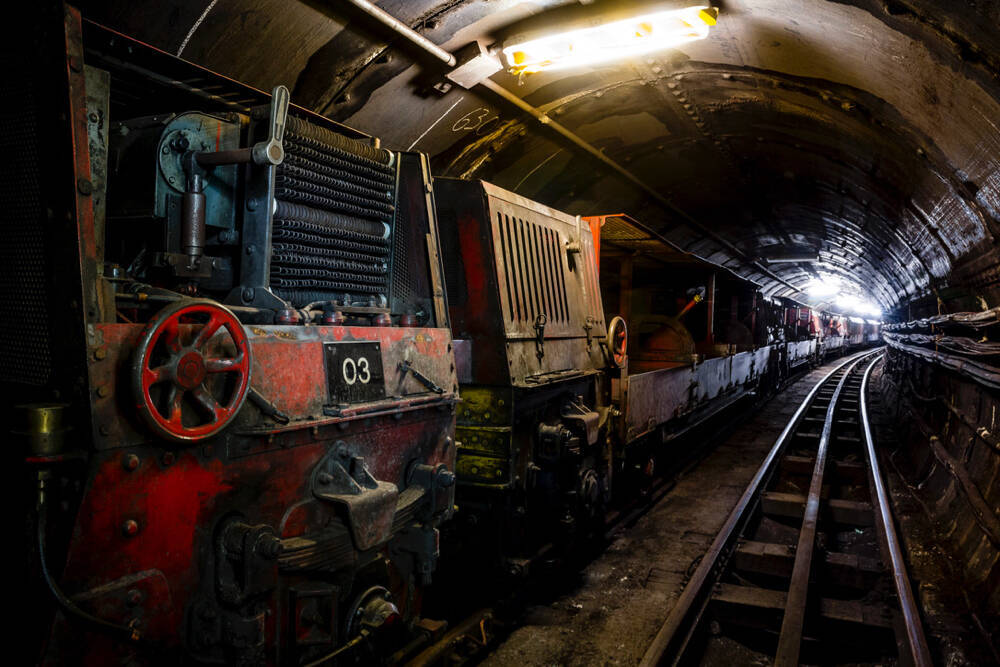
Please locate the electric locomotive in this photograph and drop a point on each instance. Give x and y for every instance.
(240, 433)
(560, 404)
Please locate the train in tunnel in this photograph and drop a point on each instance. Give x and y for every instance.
(269, 357)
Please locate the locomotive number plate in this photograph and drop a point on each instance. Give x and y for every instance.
(354, 372)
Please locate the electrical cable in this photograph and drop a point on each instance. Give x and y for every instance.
(128, 633)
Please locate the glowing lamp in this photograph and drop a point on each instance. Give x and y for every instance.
(609, 41)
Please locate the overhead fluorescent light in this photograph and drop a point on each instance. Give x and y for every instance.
(610, 41)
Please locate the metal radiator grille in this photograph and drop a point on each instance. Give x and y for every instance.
(24, 332)
(536, 281)
(331, 233)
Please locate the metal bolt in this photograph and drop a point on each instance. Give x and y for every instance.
(247, 294)
(130, 462)
(130, 528)
(252, 204)
(251, 249)
(100, 354)
(84, 186)
(446, 478)
(103, 391)
(169, 458)
(270, 547)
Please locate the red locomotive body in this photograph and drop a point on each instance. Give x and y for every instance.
(255, 462)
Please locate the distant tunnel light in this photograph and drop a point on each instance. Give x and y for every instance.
(820, 288)
(851, 303)
(610, 41)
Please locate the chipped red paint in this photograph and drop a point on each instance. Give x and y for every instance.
(258, 469)
(288, 369)
(81, 159)
(177, 506)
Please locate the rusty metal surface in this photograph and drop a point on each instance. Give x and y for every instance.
(525, 274)
(288, 369)
(657, 397)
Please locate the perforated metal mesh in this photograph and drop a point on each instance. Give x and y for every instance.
(410, 285)
(25, 355)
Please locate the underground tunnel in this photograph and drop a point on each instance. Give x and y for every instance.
(502, 332)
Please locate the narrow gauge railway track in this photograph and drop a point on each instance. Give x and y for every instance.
(473, 636)
(807, 567)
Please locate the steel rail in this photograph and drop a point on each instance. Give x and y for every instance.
(682, 618)
(790, 639)
(917, 642)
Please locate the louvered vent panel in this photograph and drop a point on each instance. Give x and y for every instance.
(535, 280)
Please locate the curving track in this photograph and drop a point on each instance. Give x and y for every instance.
(807, 567)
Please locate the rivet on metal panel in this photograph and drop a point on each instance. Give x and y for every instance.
(130, 462)
(84, 186)
(130, 528)
(103, 391)
(100, 354)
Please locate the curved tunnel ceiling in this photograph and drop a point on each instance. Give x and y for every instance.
(864, 132)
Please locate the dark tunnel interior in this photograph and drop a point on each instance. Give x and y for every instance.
(812, 179)
(863, 133)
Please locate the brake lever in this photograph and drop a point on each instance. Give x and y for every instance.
(406, 367)
(272, 151)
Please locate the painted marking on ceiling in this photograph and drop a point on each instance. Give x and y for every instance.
(415, 141)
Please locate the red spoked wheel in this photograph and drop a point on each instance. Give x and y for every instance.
(191, 370)
(618, 340)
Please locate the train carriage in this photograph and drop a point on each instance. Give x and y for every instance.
(253, 460)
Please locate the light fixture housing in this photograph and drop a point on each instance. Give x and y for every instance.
(610, 41)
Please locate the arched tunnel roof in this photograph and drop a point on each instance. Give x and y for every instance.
(864, 132)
